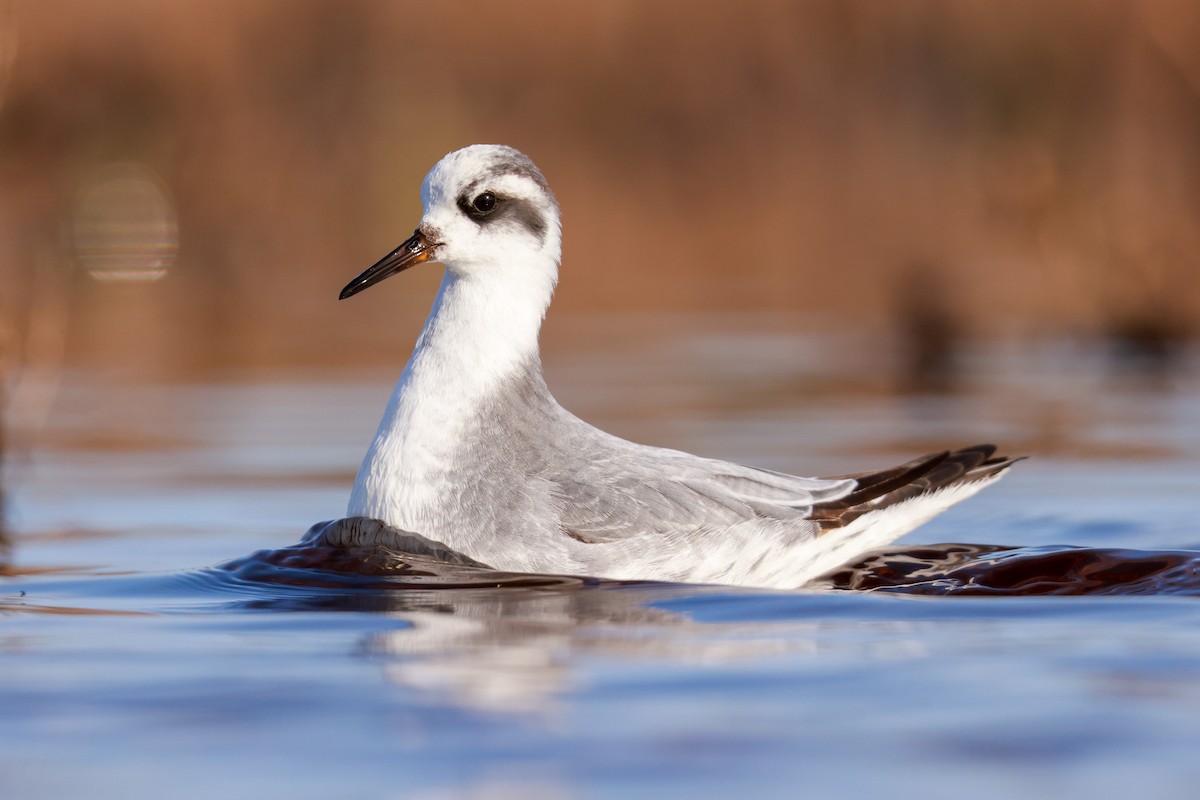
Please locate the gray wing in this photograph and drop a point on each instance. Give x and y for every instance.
(615, 489)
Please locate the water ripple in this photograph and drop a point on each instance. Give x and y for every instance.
(970, 569)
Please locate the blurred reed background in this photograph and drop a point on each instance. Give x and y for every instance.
(187, 185)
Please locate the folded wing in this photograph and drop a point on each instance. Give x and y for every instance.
(617, 494)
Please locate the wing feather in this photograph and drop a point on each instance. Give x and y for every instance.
(649, 490)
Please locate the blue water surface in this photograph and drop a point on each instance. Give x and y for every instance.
(133, 665)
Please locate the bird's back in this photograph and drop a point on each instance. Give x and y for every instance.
(549, 492)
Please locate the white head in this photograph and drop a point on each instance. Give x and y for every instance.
(489, 216)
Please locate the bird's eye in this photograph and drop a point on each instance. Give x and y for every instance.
(484, 203)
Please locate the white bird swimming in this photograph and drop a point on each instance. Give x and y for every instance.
(474, 452)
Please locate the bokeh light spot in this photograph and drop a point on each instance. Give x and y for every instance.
(124, 226)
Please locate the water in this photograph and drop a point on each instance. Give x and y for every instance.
(164, 634)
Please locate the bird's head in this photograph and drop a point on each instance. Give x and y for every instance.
(489, 216)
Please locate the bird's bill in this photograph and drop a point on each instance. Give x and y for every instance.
(417, 249)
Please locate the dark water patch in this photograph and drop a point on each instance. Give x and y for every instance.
(982, 570)
(360, 553)
(361, 568)
(316, 575)
(359, 564)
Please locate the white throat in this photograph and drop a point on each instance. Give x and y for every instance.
(483, 327)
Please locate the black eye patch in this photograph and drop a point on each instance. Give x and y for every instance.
(478, 205)
(489, 208)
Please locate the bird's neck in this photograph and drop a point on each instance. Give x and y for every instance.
(479, 336)
(478, 331)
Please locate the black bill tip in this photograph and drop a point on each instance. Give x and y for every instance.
(417, 249)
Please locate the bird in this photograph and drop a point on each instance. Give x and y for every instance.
(474, 452)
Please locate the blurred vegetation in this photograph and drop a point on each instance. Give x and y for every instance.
(1040, 159)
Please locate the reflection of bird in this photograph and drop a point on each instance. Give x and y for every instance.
(474, 451)
(511, 649)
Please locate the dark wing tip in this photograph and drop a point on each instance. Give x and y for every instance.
(930, 473)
